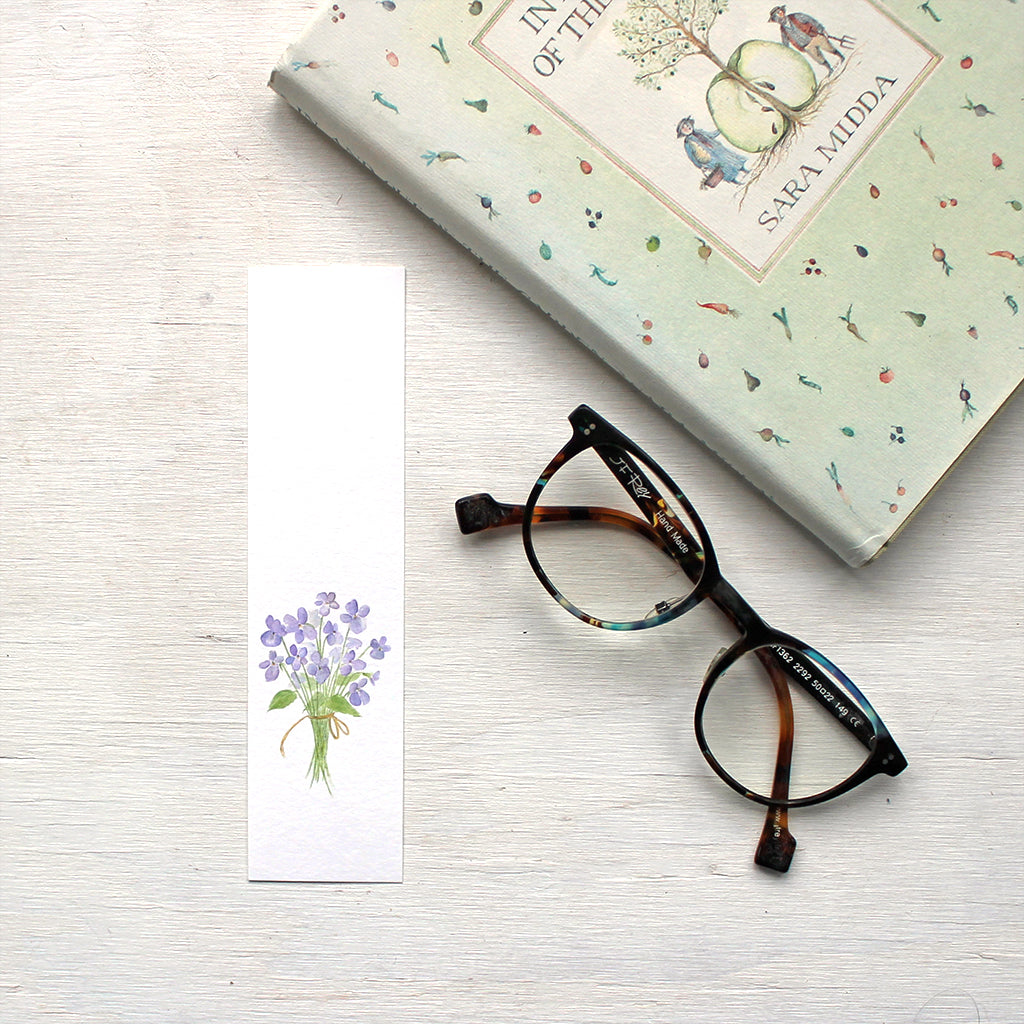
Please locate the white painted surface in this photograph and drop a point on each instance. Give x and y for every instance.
(568, 855)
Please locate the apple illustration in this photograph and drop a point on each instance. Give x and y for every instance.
(748, 120)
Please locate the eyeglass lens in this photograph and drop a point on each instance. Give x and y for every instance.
(612, 563)
(742, 719)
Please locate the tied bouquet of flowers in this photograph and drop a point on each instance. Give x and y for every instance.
(321, 656)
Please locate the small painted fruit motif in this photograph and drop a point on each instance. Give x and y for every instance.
(475, 7)
(886, 376)
(585, 166)
(702, 361)
(966, 63)
(860, 251)
(545, 251)
(653, 243)
(753, 383)
(997, 161)
(874, 191)
(532, 129)
(392, 58)
(939, 255)
(534, 196)
(896, 436)
(703, 250)
(593, 217)
(973, 332)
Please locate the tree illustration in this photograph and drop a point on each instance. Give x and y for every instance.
(658, 35)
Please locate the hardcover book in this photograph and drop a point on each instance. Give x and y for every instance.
(800, 232)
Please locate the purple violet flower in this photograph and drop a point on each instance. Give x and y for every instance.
(332, 635)
(272, 665)
(326, 603)
(318, 668)
(357, 696)
(378, 648)
(275, 632)
(355, 615)
(350, 663)
(300, 625)
(297, 657)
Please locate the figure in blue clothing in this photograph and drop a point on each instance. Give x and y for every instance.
(715, 161)
(807, 35)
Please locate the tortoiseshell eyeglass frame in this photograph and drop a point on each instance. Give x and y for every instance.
(696, 558)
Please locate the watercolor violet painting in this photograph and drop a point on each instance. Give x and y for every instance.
(321, 655)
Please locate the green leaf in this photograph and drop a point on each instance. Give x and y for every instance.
(282, 699)
(339, 704)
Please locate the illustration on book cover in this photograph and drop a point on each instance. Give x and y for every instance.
(742, 117)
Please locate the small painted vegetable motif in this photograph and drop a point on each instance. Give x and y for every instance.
(753, 383)
(784, 320)
(719, 307)
(833, 475)
(978, 109)
(924, 145)
(917, 318)
(378, 97)
(443, 156)
(939, 255)
(767, 434)
(965, 397)
(850, 325)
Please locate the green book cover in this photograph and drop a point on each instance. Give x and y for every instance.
(800, 232)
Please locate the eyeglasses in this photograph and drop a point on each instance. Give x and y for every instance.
(775, 719)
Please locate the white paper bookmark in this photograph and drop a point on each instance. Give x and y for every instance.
(326, 562)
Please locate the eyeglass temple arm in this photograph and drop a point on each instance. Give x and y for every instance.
(777, 844)
(479, 512)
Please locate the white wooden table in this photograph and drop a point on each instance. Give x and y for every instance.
(569, 857)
